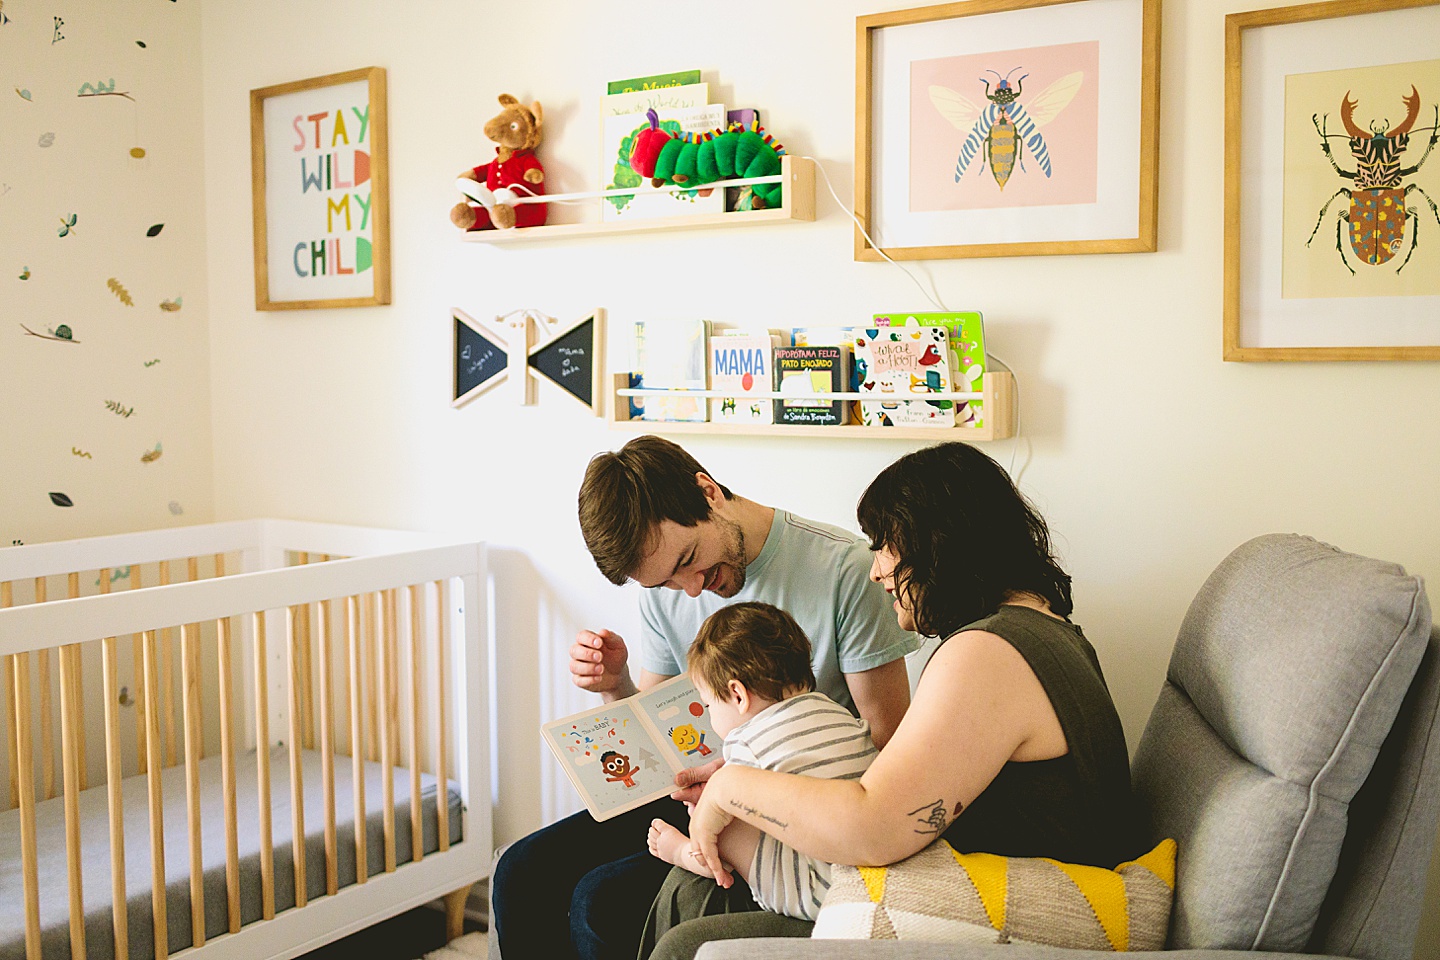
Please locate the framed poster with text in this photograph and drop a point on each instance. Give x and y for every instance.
(321, 195)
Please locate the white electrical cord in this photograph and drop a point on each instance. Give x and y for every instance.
(941, 306)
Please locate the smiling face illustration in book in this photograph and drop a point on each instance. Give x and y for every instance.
(688, 740)
(617, 768)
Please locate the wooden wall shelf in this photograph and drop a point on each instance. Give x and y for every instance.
(798, 203)
(997, 390)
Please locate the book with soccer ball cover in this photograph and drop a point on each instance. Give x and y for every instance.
(625, 754)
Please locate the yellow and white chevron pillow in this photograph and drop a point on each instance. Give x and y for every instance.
(941, 895)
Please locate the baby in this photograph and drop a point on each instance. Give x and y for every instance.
(751, 664)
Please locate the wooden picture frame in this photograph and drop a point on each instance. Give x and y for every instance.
(925, 186)
(1297, 78)
(318, 153)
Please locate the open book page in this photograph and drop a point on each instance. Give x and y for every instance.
(680, 718)
(625, 754)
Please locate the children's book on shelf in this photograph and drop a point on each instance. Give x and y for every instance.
(899, 365)
(660, 99)
(818, 369)
(742, 364)
(658, 81)
(671, 354)
(618, 140)
(967, 354)
(624, 754)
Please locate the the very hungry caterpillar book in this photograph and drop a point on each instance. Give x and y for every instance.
(625, 754)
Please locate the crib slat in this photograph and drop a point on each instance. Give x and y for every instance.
(227, 771)
(387, 779)
(192, 569)
(138, 679)
(70, 762)
(327, 754)
(417, 823)
(442, 772)
(190, 688)
(357, 740)
(79, 681)
(47, 730)
(297, 786)
(29, 857)
(345, 734)
(262, 771)
(307, 674)
(392, 650)
(113, 775)
(370, 622)
(110, 666)
(7, 598)
(157, 800)
(167, 678)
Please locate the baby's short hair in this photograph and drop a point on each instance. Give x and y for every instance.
(756, 643)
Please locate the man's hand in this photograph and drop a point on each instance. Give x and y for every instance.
(690, 782)
(598, 663)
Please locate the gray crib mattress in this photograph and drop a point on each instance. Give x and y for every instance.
(95, 851)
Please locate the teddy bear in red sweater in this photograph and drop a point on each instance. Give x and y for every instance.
(515, 172)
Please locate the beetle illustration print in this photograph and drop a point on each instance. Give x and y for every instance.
(1004, 128)
(1377, 211)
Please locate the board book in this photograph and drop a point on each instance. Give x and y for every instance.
(818, 369)
(671, 354)
(898, 365)
(741, 364)
(625, 754)
(967, 354)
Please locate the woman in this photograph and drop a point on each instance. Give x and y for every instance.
(1011, 745)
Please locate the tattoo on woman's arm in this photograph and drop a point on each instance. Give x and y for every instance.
(932, 817)
(750, 811)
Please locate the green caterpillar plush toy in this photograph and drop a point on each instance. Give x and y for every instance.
(699, 159)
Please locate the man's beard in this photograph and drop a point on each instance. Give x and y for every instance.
(734, 556)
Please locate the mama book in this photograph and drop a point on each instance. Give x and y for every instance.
(625, 754)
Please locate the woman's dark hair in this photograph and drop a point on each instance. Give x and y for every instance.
(965, 537)
(626, 495)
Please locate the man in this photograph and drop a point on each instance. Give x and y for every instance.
(650, 513)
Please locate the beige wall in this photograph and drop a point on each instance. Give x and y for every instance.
(1150, 456)
(63, 154)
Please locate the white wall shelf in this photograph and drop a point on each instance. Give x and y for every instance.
(997, 390)
(797, 203)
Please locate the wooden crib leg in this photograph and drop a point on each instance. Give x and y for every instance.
(455, 912)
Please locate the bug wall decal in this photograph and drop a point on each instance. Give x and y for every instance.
(1377, 213)
(1004, 128)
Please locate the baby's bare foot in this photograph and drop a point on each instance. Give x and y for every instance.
(672, 846)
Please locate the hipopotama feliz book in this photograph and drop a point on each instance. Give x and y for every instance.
(625, 754)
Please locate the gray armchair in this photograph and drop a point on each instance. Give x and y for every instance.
(1292, 753)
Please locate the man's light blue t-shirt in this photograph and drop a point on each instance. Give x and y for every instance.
(817, 573)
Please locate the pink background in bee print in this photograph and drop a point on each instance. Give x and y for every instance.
(1072, 137)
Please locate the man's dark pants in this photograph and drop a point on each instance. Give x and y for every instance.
(578, 888)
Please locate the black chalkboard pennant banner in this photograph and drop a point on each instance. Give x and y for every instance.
(569, 357)
(572, 359)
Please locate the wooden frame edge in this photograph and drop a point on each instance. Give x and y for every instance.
(1146, 239)
(597, 352)
(1235, 24)
(379, 189)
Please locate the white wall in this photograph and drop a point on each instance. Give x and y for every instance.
(1151, 457)
(64, 154)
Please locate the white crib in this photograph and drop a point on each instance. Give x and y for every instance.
(315, 666)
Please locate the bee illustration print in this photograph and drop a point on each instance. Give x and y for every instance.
(1004, 128)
